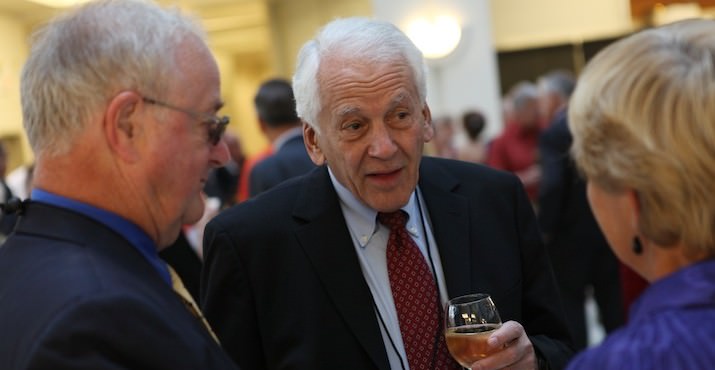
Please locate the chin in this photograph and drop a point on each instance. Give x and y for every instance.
(388, 202)
(194, 211)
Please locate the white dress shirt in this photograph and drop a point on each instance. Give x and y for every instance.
(370, 241)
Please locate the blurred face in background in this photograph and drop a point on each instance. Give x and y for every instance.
(528, 115)
(549, 104)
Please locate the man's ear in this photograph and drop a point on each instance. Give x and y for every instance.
(310, 138)
(121, 125)
(428, 128)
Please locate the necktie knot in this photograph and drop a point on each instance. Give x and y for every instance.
(393, 220)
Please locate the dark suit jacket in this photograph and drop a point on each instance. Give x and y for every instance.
(283, 287)
(579, 252)
(564, 213)
(76, 295)
(289, 161)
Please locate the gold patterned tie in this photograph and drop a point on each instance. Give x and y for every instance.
(189, 302)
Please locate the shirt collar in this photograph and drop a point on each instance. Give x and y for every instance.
(689, 286)
(130, 231)
(363, 220)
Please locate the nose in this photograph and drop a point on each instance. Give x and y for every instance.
(382, 144)
(220, 154)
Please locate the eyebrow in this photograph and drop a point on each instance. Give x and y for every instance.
(397, 100)
(346, 111)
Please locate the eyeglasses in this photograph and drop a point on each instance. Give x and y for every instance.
(216, 125)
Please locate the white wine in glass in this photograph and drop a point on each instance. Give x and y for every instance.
(469, 321)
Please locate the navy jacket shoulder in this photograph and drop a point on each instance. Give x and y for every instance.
(76, 295)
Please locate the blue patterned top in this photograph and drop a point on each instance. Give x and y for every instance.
(671, 326)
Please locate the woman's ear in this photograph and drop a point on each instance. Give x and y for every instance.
(312, 145)
(121, 125)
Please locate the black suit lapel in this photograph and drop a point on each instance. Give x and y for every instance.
(326, 241)
(449, 214)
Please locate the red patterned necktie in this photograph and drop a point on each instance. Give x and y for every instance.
(416, 297)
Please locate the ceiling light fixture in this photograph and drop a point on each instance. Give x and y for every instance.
(436, 36)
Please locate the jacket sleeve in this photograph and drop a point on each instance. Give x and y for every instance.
(227, 301)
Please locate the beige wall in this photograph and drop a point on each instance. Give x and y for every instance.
(296, 21)
(526, 23)
(13, 52)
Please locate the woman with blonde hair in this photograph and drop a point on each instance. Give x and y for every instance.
(643, 121)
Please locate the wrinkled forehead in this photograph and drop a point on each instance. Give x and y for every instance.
(350, 72)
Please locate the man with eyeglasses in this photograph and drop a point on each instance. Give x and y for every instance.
(119, 103)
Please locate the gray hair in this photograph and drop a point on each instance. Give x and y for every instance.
(368, 40)
(84, 57)
(523, 93)
(560, 82)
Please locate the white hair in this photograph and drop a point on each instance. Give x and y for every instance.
(356, 38)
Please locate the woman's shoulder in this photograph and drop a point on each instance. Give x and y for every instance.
(672, 340)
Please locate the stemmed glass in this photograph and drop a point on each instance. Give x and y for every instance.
(469, 321)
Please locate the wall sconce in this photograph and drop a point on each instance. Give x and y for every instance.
(435, 36)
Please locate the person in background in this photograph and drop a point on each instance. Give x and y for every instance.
(563, 191)
(443, 144)
(222, 183)
(7, 219)
(644, 137)
(474, 149)
(516, 149)
(275, 106)
(243, 192)
(119, 102)
(5, 192)
(322, 272)
(583, 264)
(554, 89)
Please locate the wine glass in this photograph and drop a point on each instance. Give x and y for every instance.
(469, 321)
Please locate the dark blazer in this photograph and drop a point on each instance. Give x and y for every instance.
(289, 161)
(579, 252)
(76, 295)
(283, 287)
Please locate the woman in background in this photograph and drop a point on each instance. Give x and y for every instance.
(474, 149)
(643, 121)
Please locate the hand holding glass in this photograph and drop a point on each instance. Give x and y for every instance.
(469, 321)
